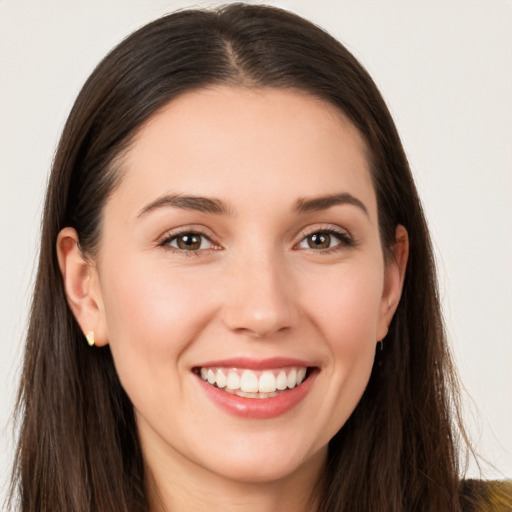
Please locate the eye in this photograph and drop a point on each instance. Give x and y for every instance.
(325, 239)
(188, 241)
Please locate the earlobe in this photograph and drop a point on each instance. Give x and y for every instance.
(81, 286)
(394, 279)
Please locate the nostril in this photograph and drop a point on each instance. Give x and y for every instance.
(258, 323)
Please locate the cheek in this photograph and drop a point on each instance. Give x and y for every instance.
(345, 305)
(151, 317)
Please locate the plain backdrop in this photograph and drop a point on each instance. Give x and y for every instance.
(445, 69)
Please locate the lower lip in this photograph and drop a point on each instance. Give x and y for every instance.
(258, 408)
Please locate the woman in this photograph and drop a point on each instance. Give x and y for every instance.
(232, 226)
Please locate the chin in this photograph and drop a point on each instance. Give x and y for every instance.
(269, 465)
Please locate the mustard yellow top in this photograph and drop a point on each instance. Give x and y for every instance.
(486, 496)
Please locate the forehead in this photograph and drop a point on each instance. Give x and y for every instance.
(247, 145)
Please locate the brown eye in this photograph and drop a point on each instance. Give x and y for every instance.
(189, 242)
(325, 239)
(319, 241)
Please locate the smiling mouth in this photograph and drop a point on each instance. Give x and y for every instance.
(256, 384)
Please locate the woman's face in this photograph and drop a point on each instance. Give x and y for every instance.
(242, 247)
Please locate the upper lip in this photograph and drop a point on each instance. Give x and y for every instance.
(255, 364)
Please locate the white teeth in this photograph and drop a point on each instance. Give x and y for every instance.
(249, 382)
(281, 381)
(233, 380)
(267, 383)
(221, 379)
(292, 378)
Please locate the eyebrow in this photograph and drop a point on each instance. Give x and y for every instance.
(219, 207)
(186, 202)
(314, 204)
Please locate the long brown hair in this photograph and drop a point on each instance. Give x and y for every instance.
(78, 446)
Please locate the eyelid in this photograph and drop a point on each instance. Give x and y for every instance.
(326, 228)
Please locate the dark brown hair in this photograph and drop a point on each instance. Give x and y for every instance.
(78, 446)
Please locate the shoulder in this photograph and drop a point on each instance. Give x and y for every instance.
(486, 496)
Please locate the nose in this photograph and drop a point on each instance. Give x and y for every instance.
(260, 297)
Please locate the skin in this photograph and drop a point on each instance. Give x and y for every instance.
(254, 288)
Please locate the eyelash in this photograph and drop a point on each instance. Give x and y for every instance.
(345, 241)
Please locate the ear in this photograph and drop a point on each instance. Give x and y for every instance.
(81, 285)
(393, 280)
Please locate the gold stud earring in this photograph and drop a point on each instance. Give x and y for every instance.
(90, 338)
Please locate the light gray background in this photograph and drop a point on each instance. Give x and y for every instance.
(445, 69)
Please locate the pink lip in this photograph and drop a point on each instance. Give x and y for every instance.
(255, 364)
(257, 408)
